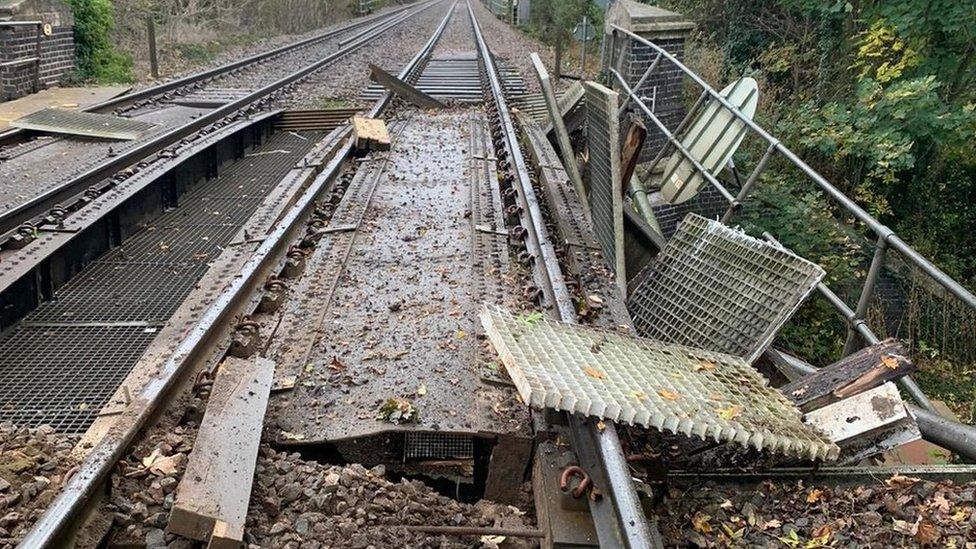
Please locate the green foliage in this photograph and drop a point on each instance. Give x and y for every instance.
(94, 48)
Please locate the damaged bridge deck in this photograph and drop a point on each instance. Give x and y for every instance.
(401, 321)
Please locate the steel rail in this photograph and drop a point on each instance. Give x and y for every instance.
(54, 525)
(37, 206)
(618, 516)
(14, 134)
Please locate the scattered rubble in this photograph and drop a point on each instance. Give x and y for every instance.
(33, 466)
(901, 511)
(298, 503)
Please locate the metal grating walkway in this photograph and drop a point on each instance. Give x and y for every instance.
(714, 287)
(672, 388)
(84, 124)
(66, 359)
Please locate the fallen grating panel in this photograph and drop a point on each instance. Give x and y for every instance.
(91, 362)
(422, 445)
(84, 124)
(121, 300)
(606, 197)
(672, 388)
(714, 287)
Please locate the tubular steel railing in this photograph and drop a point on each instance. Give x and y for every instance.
(857, 326)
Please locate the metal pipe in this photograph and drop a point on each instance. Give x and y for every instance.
(640, 82)
(620, 510)
(876, 226)
(750, 182)
(867, 292)
(677, 145)
(906, 382)
(951, 435)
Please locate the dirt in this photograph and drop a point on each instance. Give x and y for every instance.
(897, 512)
(34, 464)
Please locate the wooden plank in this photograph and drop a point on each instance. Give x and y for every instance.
(630, 151)
(567, 102)
(867, 423)
(370, 134)
(859, 372)
(506, 471)
(403, 89)
(213, 495)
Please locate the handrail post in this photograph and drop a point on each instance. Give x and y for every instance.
(867, 291)
(750, 182)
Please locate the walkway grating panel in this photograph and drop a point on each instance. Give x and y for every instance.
(83, 123)
(714, 287)
(63, 375)
(67, 358)
(671, 388)
(605, 199)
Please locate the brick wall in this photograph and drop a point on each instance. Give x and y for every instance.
(57, 58)
(666, 79)
(708, 203)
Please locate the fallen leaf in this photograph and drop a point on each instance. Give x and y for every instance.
(926, 533)
(639, 395)
(292, 436)
(799, 392)
(601, 425)
(890, 362)
(336, 364)
(461, 334)
(594, 373)
(422, 390)
(730, 413)
(667, 395)
(907, 528)
(901, 480)
(815, 495)
(727, 504)
(700, 524)
(774, 523)
(704, 365)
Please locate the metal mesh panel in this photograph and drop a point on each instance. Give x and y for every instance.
(603, 140)
(84, 123)
(714, 287)
(66, 359)
(62, 376)
(669, 387)
(419, 445)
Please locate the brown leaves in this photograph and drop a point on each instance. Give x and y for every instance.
(700, 523)
(668, 395)
(705, 366)
(815, 495)
(730, 413)
(594, 373)
(890, 362)
(336, 364)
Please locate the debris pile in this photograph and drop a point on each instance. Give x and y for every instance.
(902, 511)
(144, 492)
(298, 503)
(33, 466)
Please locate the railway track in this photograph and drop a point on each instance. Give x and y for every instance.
(179, 123)
(312, 233)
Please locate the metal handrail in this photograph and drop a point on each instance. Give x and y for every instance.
(887, 239)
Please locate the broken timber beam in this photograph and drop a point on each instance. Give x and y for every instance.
(572, 117)
(211, 500)
(866, 424)
(403, 89)
(859, 372)
(370, 134)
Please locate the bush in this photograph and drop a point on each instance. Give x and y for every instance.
(94, 48)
